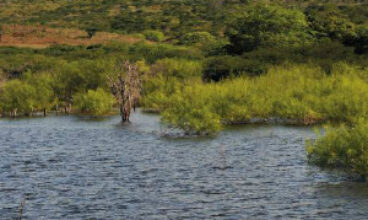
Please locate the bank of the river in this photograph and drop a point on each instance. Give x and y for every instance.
(70, 168)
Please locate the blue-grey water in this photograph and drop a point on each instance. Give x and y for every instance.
(70, 168)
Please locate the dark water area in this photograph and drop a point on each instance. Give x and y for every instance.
(66, 167)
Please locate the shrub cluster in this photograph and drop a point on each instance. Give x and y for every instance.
(344, 147)
(95, 103)
(297, 94)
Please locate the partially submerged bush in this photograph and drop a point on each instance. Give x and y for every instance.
(343, 147)
(17, 97)
(191, 113)
(296, 94)
(95, 103)
(157, 91)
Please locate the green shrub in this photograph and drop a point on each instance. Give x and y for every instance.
(179, 68)
(197, 38)
(95, 103)
(206, 42)
(17, 97)
(191, 113)
(157, 91)
(222, 67)
(153, 35)
(265, 25)
(296, 94)
(153, 52)
(343, 147)
(44, 98)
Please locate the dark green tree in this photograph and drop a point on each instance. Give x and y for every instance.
(329, 21)
(268, 26)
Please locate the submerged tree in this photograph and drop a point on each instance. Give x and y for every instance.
(94, 102)
(17, 97)
(43, 96)
(125, 84)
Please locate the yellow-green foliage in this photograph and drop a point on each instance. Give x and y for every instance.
(156, 92)
(168, 76)
(192, 112)
(179, 68)
(44, 95)
(95, 103)
(299, 93)
(28, 95)
(17, 97)
(153, 35)
(343, 147)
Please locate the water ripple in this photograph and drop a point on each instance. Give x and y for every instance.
(67, 168)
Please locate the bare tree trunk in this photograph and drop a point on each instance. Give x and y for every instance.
(123, 114)
(44, 112)
(125, 117)
(134, 104)
(125, 89)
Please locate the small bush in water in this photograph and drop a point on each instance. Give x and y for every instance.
(343, 147)
(95, 103)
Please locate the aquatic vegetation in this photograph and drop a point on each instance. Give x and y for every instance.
(296, 94)
(95, 103)
(24, 97)
(190, 111)
(17, 97)
(344, 147)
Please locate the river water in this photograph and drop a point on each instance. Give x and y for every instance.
(65, 167)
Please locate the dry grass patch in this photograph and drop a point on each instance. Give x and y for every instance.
(42, 36)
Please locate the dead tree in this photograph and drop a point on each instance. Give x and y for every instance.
(125, 85)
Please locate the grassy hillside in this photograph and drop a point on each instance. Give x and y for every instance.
(173, 17)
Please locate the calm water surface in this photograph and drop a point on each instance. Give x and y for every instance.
(69, 168)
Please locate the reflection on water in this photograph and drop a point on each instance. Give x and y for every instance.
(71, 168)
